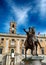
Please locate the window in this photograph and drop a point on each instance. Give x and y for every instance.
(12, 50)
(13, 40)
(13, 25)
(12, 53)
(2, 39)
(22, 41)
(42, 50)
(22, 51)
(0, 51)
(13, 31)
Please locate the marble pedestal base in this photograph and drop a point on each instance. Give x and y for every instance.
(36, 60)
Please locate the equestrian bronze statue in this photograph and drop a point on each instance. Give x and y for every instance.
(31, 41)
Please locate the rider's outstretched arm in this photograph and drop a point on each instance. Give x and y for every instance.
(25, 30)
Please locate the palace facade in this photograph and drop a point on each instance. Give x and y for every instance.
(14, 43)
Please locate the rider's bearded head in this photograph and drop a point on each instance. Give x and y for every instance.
(32, 30)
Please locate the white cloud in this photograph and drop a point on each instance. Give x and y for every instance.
(42, 8)
(21, 14)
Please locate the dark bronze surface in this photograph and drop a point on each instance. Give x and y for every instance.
(31, 41)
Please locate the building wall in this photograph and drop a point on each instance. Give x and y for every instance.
(42, 41)
(19, 44)
(7, 46)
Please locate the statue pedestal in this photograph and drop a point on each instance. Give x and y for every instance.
(36, 60)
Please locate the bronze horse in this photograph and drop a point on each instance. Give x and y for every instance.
(30, 43)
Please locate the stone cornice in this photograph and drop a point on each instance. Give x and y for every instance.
(12, 35)
(18, 35)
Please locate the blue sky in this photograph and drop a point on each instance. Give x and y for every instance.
(25, 13)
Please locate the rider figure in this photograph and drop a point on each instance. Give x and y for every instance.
(29, 33)
(32, 32)
(34, 38)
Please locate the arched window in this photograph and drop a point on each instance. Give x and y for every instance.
(2, 39)
(12, 50)
(13, 25)
(12, 53)
(13, 29)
